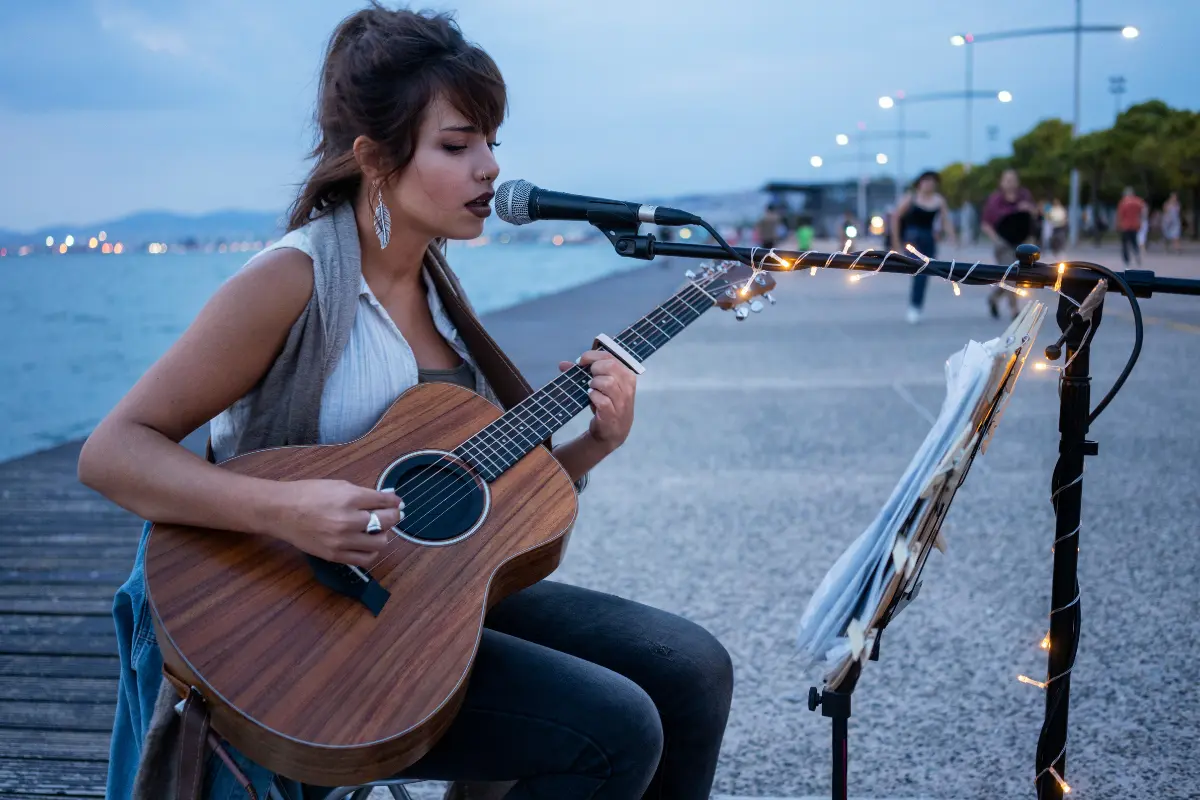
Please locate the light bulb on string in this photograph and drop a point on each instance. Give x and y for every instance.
(1031, 681)
(1066, 789)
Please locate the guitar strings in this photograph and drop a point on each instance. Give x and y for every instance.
(465, 492)
(527, 404)
(458, 495)
(524, 406)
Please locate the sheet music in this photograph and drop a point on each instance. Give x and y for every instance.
(862, 588)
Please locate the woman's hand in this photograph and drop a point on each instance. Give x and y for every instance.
(613, 386)
(329, 519)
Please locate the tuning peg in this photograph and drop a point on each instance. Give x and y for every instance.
(741, 312)
(770, 298)
(756, 305)
(730, 292)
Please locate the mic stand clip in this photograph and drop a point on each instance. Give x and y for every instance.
(616, 227)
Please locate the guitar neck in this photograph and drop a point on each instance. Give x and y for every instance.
(532, 421)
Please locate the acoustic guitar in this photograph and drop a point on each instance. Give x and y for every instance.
(333, 675)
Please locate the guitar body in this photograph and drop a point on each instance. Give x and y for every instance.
(307, 681)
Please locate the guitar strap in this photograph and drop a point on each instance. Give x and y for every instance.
(506, 380)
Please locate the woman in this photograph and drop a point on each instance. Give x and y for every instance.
(574, 694)
(914, 222)
(1172, 223)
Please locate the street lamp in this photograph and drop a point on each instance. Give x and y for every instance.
(1078, 29)
(900, 100)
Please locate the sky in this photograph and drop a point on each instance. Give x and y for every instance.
(113, 106)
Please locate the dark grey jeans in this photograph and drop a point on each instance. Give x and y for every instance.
(580, 694)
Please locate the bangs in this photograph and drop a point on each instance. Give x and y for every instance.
(472, 83)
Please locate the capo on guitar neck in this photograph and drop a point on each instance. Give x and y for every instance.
(608, 344)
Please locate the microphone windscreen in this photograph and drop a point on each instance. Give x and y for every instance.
(512, 202)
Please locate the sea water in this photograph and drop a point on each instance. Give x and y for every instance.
(78, 331)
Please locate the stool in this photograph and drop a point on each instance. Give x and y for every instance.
(363, 791)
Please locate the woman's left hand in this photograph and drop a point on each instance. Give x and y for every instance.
(613, 386)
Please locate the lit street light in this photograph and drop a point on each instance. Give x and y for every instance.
(900, 101)
(1078, 29)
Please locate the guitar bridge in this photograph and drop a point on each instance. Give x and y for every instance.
(351, 582)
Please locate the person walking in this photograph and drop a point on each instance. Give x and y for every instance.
(1131, 211)
(1172, 223)
(1008, 221)
(914, 222)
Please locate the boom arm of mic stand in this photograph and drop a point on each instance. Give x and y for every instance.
(1035, 275)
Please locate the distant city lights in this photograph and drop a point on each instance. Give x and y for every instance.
(958, 41)
(876, 227)
(881, 158)
(62, 248)
(93, 243)
(886, 102)
(1130, 32)
(685, 233)
(157, 248)
(1004, 97)
(557, 240)
(842, 139)
(70, 240)
(49, 241)
(103, 236)
(106, 248)
(816, 161)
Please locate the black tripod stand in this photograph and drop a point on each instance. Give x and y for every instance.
(1081, 286)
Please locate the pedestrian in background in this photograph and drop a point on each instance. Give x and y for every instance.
(1008, 219)
(914, 222)
(1131, 212)
(1172, 223)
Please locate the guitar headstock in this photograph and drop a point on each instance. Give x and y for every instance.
(735, 286)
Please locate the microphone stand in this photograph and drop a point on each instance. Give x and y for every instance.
(1075, 416)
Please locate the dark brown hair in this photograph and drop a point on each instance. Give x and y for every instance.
(382, 69)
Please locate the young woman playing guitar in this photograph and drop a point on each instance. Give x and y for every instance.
(574, 693)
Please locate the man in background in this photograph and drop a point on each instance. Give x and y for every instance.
(1131, 212)
(1008, 221)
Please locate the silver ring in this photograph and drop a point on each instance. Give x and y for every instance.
(374, 526)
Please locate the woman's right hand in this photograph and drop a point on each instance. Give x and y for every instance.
(329, 518)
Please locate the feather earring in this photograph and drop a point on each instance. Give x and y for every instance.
(382, 217)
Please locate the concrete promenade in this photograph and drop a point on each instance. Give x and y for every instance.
(760, 450)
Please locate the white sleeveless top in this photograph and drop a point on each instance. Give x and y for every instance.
(376, 367)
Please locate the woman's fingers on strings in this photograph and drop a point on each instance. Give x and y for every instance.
(372, 500)
(602, 406)
(388, 518)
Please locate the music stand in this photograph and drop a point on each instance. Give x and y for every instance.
(879, 574)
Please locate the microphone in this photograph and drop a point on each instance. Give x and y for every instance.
(520, 202)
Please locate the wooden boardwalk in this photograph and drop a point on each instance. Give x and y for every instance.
(65, 549)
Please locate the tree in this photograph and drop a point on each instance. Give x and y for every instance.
(1038, 157)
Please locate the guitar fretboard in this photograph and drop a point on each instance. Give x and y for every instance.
(529, 423)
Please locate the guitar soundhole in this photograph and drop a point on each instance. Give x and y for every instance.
(443, 500)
